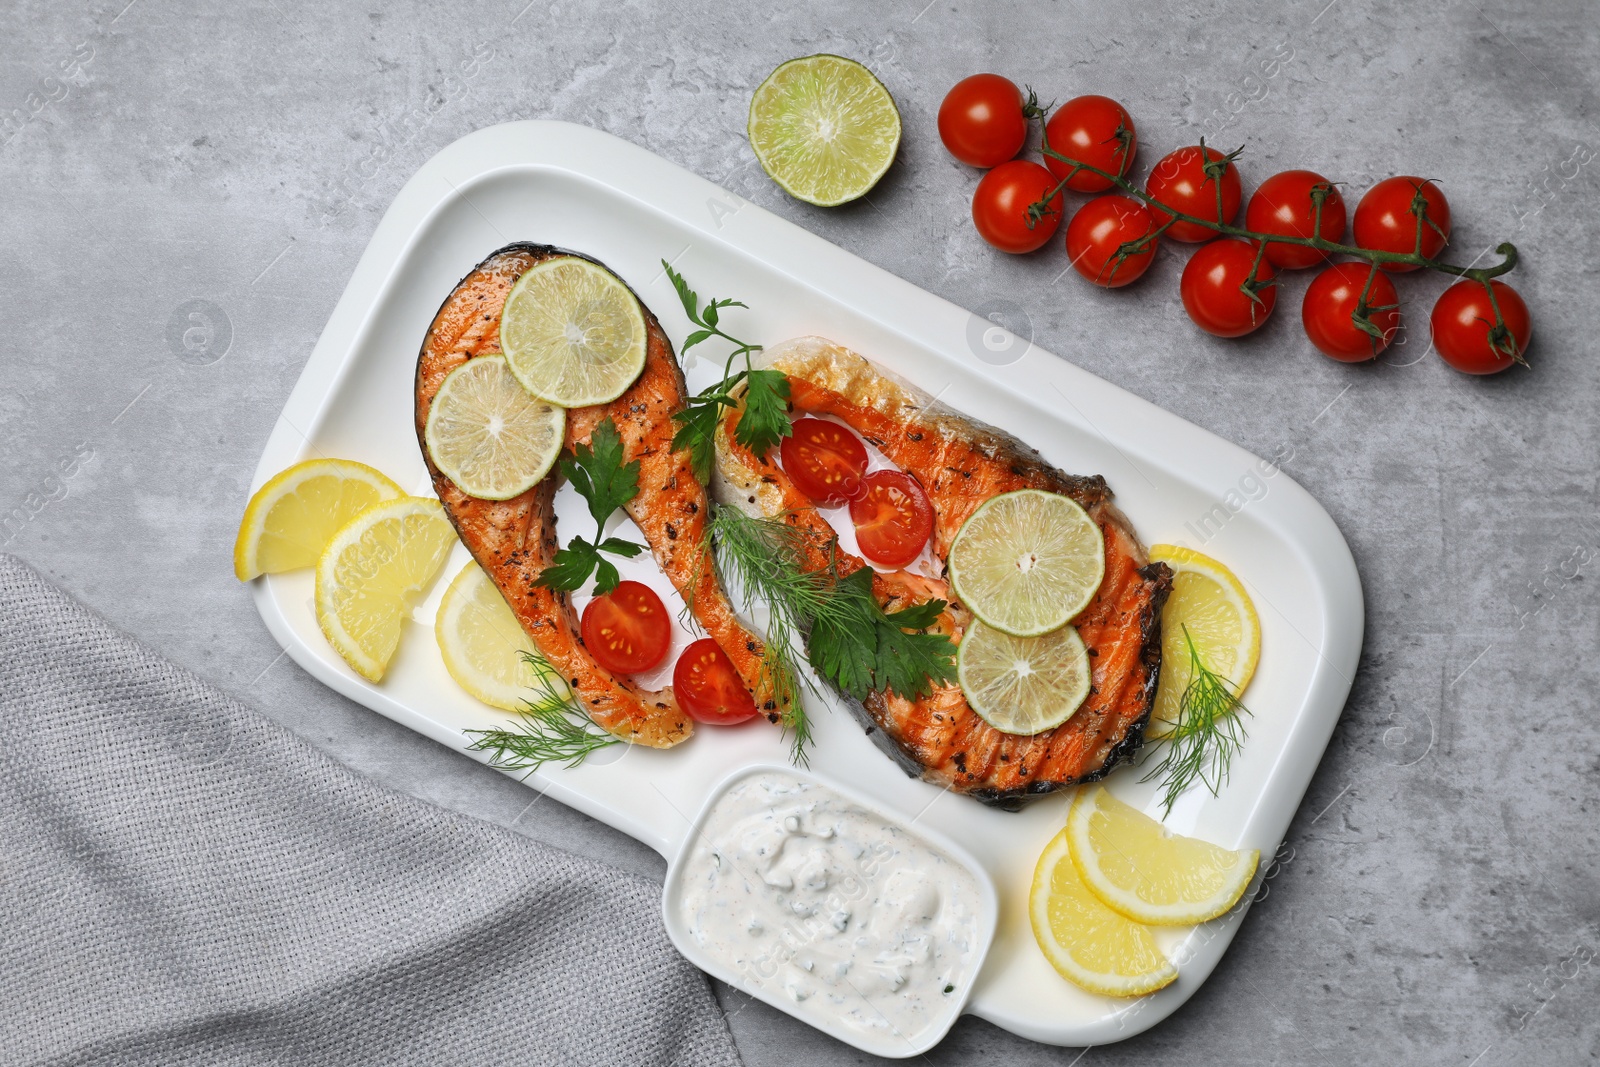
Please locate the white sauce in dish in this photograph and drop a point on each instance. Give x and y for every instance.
(811, 897)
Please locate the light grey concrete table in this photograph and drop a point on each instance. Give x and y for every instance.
(187, 188)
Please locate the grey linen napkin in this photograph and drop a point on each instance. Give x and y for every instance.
(182, 880)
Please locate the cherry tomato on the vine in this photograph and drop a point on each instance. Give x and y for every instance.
(628, 630)
(1329, 308)
(1180, 182)
(824, 460)
(1099, 229)
(1095, 130)
(1463, 322)
(709, 688)
(893, 518)
(1386, 219)
(1000, 206)
(1284, 206)
(981, 120)
(1214, 288)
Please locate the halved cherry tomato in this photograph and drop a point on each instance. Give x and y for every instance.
(1180, 182)
(825, 460)
(708, 687)
(1000, 206)
(1463, 321)
(1102, 226)
(1095, 130)
(981, 120)
(893, 518)
(1330, 304)
(627, 631)
(1213, 288)
(1385, 221)
(1282, 205)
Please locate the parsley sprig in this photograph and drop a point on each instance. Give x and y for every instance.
(1209, 733)
(766, 400)
(606, 483)
(850, 640)
(554, 729)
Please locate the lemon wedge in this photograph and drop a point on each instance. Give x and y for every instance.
(824, 128)
(291, 519)
(1213, 606)
(488, 434)
(573, 333)
(1088, 943)
(484, 647)
(1142, 870)
(1023, 685)
(372, 571)
(1026, 562)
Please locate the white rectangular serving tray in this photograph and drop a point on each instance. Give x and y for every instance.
(577, 188)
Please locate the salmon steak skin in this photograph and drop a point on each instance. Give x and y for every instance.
(961, 463)
(515, 540)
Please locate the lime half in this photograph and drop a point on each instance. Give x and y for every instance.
(1023, 685)
(573, 334)
(488, 434)
(824, 128)
(1026, 562)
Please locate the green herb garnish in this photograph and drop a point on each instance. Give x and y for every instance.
(606, 483)
(554, 729)
(765, 421)
(1209, 733)
(849, 639)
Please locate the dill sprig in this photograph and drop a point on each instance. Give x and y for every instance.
(554, 729)
(845, 634)
(1208, 734)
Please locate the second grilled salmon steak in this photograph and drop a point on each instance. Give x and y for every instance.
(961, 463)
(514, 540)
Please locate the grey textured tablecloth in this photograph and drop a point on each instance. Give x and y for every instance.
(182, 880)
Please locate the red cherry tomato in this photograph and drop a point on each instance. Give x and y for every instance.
(1330, 305)
(1000, 206)
(1213, 292)
(893, 518)
(1282, 205)
(1462, 321)
(825, 460)
(627, 631)
(1095, 130)
(708, 687)
(1102, 226)
(1385, 221)
(1179, 181)
(981, 120)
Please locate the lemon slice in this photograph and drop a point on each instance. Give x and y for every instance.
(573, 333)
(1088, 943)
(1027, 562)
(488, 434)
(1142, 870)
(291, 519)
(485, 648)
(1208, 600)
(1023, 685)
(370, 573)
(824, 128)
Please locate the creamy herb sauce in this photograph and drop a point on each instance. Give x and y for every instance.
(808, 895)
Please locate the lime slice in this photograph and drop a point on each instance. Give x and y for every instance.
(488, 434)
(573, 333)
(1027, 562)
(484, 647)
(824, 129)
(1023, 685)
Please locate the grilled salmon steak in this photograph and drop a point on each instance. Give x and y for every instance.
(514, 540)
(961, 463)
